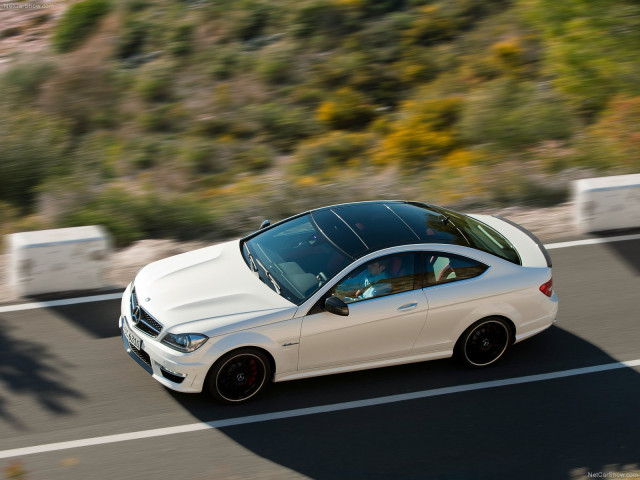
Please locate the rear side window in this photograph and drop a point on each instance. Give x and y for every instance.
(443, 267)
(483, 237)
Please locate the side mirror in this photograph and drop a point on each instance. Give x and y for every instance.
(336, 306)
(264, 224)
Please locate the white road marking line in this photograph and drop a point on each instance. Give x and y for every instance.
(115, 296)
(229, 422)
(592, 241)
(58, 303)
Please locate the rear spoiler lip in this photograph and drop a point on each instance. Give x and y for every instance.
(544, 251)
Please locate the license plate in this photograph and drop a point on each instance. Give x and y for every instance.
(131, 338)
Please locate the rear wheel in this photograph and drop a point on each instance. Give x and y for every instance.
(484, 342)
(239, 376)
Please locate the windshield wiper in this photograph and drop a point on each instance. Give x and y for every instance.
(252, 262)
(270, 277)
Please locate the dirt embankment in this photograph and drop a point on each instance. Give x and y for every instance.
(26, 28)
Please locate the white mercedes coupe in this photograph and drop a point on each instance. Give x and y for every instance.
(338, 289)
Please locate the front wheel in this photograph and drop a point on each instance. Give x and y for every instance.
(484, 342)
(239, 376)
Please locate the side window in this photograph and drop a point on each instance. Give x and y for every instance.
(377, 278)
(445, 267)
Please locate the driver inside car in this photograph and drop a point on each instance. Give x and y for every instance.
(366, 283)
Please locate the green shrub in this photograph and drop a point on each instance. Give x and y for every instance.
(591, 48)
(382, 36)
(154, 82)
(132, 38)
(432, 24)
(323, 21)
(254, 158)
(613, 142)
(512, 115)
(282, 125)
(336, 149)
(100, 153)
(77, 22)
(249, 19)
(203, 157)
(146, 155)
(338, 69)
(423, 131)
(86, 95)
(33, 147)
(136, 5)
(225, 61)
(346, 109)
(381, 7)
(130, 217)
(181, 40)
(22, 82)
(167, 117)
(275, 64)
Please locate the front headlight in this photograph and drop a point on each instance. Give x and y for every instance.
(184, 342)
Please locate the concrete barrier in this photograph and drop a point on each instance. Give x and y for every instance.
(60, 260)
(607, 203)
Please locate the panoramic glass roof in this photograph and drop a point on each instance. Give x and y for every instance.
(358, 229)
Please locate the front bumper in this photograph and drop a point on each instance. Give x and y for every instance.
(178, 371)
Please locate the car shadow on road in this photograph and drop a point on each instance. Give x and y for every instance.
(626, 250)
(28, 368)
(546, 429)
(98, 319)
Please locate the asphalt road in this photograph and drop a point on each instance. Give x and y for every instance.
(64, 376)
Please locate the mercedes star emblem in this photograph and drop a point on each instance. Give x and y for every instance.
(135, 315)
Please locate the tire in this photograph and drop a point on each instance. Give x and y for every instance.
(484, 342)
(239, 376)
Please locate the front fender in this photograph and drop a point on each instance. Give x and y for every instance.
(280, 341)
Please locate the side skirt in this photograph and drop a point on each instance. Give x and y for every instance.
(354, 367)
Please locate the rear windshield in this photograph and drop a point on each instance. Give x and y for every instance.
(483, 237)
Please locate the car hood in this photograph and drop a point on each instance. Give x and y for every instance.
(212, 282)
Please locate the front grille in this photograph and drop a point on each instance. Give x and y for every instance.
(145, 322)
(141, 354)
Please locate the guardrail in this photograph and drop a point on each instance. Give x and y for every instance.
(59, 260)
(607, 203)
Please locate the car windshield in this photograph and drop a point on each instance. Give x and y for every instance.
(294, 258)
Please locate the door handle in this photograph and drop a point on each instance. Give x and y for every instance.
(407, 307)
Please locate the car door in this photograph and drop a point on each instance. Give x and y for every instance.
(454, 289)
(382, 323)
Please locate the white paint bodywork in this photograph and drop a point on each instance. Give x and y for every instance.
(529, 252)
(211, 291)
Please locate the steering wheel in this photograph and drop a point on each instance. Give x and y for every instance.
(322, 278)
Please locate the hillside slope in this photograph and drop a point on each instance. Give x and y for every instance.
(195, 119)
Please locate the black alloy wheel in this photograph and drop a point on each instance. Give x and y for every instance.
(484, 342)
(239, 376)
